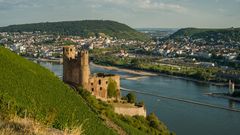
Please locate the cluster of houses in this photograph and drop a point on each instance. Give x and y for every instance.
(42, 45)
(198, 48)
(37, 44)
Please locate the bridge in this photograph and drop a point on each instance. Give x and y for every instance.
(183, 100)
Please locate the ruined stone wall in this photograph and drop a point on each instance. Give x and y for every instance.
(98, 85)
(76, 71)
(141, 111)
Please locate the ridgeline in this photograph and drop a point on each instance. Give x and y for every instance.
(84, 28)
(227, 35)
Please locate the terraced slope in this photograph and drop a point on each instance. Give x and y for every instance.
(27, 89)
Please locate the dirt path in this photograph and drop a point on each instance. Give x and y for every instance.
(114, 126)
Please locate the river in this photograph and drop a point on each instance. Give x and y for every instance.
(182, 118)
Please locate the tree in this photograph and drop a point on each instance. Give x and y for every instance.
(131, 98)
(154, 121)
(136, 63)
(112, 88)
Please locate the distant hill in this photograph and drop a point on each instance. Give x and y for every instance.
(229, 34)
(28, 89)
(84, 28)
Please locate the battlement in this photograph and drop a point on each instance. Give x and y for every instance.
(83, 52)
(69, 52)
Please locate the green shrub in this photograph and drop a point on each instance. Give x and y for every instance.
(112, 88)
(131, 97)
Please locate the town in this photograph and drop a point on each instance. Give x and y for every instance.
(161, 52)
(43, 45)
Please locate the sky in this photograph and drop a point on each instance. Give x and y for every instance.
(135, 13)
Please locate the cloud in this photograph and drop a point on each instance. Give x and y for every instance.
(13, 4)
(154, 5)
(134, 5)
(144, 5)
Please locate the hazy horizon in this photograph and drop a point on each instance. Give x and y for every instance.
(135, 13)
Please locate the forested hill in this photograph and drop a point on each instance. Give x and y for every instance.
(229, 34)
(84, 28)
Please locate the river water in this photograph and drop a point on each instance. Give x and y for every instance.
(182, 118)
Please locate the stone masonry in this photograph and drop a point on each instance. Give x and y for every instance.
(76, 71)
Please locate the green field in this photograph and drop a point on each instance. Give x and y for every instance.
(29, 89)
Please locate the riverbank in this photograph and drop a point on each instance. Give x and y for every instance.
(51, 60)
(131, 71)
(147, 73)
(142, 74)
(60, 60)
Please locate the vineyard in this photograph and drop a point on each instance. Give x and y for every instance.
(27, 89)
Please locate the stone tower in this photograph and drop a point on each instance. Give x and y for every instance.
(69, 53)
(84, 69)
(76, 72)
(75, 67)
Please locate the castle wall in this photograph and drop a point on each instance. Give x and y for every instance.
(130, 111)
(76, 71)
(98, 85)
(75, 67)
(71, 71)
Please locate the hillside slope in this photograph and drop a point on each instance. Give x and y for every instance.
(230, 34)
(80, 28)
(27, 89)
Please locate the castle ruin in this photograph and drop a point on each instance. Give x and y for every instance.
(76, 71)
